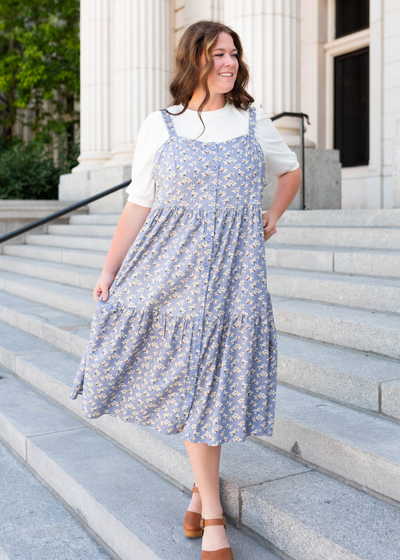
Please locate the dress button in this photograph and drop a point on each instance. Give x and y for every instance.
(198, 319)
(212, 187)
(213, 146)
(197, 346)
(206, 265)
(193, 372)
(211, 209)
(214, 166)
(209, 238)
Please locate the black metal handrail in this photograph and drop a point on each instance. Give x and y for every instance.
(303, 184)
(60, 213)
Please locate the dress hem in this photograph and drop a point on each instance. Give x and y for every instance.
(237, 439)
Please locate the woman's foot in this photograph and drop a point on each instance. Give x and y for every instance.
(214, 537)
(195, 503)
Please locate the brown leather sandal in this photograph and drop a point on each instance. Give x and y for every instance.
(221, 553)
(191, 522)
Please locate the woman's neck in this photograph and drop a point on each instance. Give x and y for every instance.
(216, 101)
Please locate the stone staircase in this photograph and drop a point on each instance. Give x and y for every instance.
(326, 485)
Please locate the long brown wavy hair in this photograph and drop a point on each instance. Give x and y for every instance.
(198, 38)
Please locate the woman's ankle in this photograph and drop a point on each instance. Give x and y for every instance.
(212, 516)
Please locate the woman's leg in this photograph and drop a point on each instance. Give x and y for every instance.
(205, 460)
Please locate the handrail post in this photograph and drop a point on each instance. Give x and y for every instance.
(302, 190)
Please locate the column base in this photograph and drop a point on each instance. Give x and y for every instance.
(120, 160)
(91, 160)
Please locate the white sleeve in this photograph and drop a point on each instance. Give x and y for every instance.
(142, 188)
(278, 157)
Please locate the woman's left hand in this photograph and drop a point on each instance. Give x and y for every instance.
(269, 225)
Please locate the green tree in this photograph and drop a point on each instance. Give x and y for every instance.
(29, 172)
(39, 54)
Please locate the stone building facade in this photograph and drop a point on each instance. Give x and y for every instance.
(338, 61)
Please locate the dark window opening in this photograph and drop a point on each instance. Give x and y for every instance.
(351, 16)
(351, 118)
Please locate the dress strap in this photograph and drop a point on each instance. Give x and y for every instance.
(252, 120)
(170, 125)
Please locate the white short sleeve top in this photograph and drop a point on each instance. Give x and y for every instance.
(220, 125)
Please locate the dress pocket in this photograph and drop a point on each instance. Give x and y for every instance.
(105, 318)
(110, 305)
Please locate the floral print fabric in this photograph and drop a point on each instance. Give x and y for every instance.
(186, 342)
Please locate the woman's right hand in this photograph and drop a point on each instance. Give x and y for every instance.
(103, 285)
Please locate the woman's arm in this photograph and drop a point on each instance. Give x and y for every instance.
(286, 187)
(129, 224)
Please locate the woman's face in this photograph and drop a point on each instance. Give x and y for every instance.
(222, 77)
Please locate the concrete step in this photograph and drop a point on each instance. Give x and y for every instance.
(367, 262)
(363, 218)
(370, 217)
(349, 217)
(336, 522)
(88, 472)
(359, 329)
(377, 237)
(62, 297)
(79, 276)
(359, 447)
(65, 331)
(70, 242)
(104, 219)
(362, 448)
(47, 530)
(382, 294)
(133, 511)
(84, 230)
(93, 259)
(346, 376)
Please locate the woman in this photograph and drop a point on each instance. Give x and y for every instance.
(183, 336)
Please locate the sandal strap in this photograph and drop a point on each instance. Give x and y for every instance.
(207, 522)
(195, 489)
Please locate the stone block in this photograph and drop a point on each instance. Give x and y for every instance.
(322, 175)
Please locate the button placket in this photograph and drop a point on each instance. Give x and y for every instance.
(206, 266)
(214, 166)
(212, 209)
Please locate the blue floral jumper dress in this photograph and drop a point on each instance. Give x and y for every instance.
(186, 342)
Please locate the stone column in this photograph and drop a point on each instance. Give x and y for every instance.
(142, 53)
(95, 84)
(270, 33)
